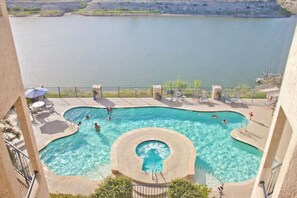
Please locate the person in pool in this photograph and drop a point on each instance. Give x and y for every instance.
(87, 116)
(97, 127)
(215, 116)
(109, 110)
(224, 121)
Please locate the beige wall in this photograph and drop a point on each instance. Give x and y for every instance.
(12, 93)
(286, 186)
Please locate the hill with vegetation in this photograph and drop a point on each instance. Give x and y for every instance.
(235, 8)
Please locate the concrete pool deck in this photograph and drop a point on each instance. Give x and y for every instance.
(49, 126)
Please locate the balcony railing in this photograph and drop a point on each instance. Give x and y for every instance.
(28, 195)
(269, 187)
(21, 163)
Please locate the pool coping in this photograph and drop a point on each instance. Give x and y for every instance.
(179, 164)
(232, 134)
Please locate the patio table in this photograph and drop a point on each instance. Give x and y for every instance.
(37, 105)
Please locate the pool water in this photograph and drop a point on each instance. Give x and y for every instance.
(153, 153)
(219, 157)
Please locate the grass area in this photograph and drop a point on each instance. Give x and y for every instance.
(22, 12)
(116, 12)
(50, 13)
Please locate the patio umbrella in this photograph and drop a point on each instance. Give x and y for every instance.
(35, 92)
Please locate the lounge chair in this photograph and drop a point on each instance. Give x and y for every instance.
(204, 98)
(196, 94)
(227, 98)
(238, 99)
(49, 105)
(272, 102)
(175, 96)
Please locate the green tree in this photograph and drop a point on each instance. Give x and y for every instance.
(114, 188)
(196, 84)
(182, 188)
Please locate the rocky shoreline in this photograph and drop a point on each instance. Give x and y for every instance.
(231, 8)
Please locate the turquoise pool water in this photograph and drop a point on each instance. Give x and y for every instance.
(153, 153)
(87, 152)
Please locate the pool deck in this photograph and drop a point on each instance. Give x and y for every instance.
(49, 126)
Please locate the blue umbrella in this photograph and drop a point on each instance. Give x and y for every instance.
(35, 92)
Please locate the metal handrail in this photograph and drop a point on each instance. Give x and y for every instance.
(263, 188)
(21, 162)
(16, 149)
(149, 190)
(32, 184)
(273, 178)
(153, 171)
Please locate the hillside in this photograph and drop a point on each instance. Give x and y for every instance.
(241, 8)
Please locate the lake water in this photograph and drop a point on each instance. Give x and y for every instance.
(141, 51)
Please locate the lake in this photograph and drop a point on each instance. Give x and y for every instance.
(141, 51)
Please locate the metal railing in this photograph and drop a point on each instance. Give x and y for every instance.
(142, 91)
(21, 164)
(149, 190)
(269, 188)
(32, 184)
(262, 183)
(273, 178)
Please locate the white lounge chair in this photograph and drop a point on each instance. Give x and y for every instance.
(49, 105)
(204, 98)
(175, 96)
(227, 98)
(238, 99)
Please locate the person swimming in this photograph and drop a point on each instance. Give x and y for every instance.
(215, 116)
(87, 116)
(109, 110)
(224, 121)
(97, 127)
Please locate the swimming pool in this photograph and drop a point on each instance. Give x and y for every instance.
(87, 152)
(153, 153)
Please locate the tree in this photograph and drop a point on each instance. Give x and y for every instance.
(182, 188)
(196, 84)
(114, 188)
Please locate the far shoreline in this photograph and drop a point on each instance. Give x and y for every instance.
(123, 14)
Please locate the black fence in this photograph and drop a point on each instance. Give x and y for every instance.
(273, 178)
(145, 92)
(149, 191)
(22, 166)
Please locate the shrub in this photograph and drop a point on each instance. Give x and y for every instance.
(182, 188)
(114, 188)
(83, 5)
(60, 195)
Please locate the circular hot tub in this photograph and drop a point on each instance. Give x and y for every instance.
(153, 153)
(130, 155)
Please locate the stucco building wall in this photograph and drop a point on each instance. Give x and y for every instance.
(12, 94)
